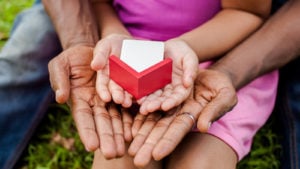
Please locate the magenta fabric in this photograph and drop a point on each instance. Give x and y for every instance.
(255, 105)
(165, 19)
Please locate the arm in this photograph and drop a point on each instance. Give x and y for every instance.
(271, 47)
(236, 21)
(73, 80)
(75, 26)
(73, 21)
(210, 40)
(113, 32)
(107, 19)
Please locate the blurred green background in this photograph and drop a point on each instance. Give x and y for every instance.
(56, 144)
(8, 11)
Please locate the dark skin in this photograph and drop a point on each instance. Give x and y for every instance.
(275, 44)
(156, 138)
(271, 47)
(213, 41)
(73, 80)
(269, 56)
(167, 132)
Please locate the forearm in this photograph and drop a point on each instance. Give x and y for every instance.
(108, 21)
(73, 21)
(228, 28)
(271, 47)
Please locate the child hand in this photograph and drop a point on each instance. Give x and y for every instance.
(106, 88)
(185, 66)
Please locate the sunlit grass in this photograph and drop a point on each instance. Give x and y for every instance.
(8, 11)
(56, 144)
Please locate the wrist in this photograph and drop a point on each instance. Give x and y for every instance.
(226, 72)
(86, 38)
(74, 22)
(74, 43)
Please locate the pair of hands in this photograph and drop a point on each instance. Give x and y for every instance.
(98, 124)
(104, 126)
(185, 66)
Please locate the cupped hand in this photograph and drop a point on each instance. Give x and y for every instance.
(156, 138)
(185, 66)
(107, 89)
(213, 96)
(73, 81)
(147, 130)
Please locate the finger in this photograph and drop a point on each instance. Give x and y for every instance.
(151, 103)
(176, 98)
(137, 123)
(117, 129)
(190, 69)
(143, 133)
(181, 125)
(117, 92)
(144, 154)
(105, 132)
(127, 124)
(216, 108)
(141, 100)
(59, 78)
(101, 54)
(127, 100)
(84, 120)
(102, 85)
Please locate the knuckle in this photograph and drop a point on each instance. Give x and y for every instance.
(162, 124)
(181, 122)
(102, 114)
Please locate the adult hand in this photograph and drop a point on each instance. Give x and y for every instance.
(107, 89)
(157, 137)
(147, 130)
(185, 66)
(73, 81)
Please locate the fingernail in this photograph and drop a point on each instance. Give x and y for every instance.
(87, 149)
(58, 94)
(209, 125)
(93, 65)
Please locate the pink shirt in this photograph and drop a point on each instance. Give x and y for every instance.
(165, 19)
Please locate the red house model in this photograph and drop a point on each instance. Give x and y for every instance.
(141, 68)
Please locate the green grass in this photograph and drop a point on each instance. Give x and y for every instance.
(56, 144)
(266, 149)
(8, 11)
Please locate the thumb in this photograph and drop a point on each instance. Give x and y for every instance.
(59, 78)
(190, 66)
(101, 54)
(215, 109)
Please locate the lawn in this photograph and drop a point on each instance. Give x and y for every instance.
(56, 143)
(8, 10)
